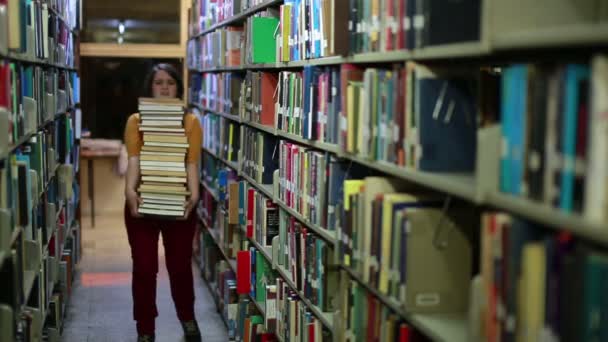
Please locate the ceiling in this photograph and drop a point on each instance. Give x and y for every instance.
(146, 21)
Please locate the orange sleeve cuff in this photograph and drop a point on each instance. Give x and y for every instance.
(195, 136)
(133, 139)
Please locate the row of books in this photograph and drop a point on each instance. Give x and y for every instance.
(32, 29)
(221, 137)
(310, 182)
(539, 285)
(400, 116)
(308, 104)
(385, 231)
(30, 96)
(35, 179)
(259, 283)
(38, 272)
(307, 29)
(365, 318)
(218, 92)
(242, 318)
(205, 13)
(554, 135)
(260, 155)
(258, 214)
(307, 262)
(312, 29)
(220, 48)
(257, 101)
(233, 46)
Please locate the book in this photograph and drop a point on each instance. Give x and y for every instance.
(163, 182)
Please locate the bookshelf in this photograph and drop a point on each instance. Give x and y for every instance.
(501, 46)
(39, 158)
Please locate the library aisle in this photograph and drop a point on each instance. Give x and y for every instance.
(101, 304)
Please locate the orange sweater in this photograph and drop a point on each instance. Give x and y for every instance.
(134, 140)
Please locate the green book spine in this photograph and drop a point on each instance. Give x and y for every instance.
(263, 39)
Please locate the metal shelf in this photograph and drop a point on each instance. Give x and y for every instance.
(239, 17)
(260, 127)
(459, 184)
(32, 60)
(212, 191)
(557, 37)
(325, 317)
(439, 327)
(232, 117)
(539, 212)
(455, 50)
(211, 231)
(264, 188)
(327, 235)
(332, 148)
(24, 139)
(264, 250)
(228, 163)
(260, 308)
(29, 277)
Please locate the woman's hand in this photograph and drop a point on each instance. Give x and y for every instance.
(190, 205)
(133, 201)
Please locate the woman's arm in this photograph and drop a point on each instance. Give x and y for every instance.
(133, 199)
(193, 187)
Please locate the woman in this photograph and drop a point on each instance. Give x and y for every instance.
(143, 232)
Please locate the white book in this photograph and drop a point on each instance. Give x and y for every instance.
(160, 163)
(149, 153)
(162, 206)
(174, 213)
(165, 144)
(162, 168)
(161, 129)
(161, 123)
(163, 179)
(167, 197)
(181, 202)
(596, 181)
(147, 116)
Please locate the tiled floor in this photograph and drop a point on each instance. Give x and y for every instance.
(101, 306)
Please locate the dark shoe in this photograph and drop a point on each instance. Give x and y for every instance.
(145, 338)
(191, 331)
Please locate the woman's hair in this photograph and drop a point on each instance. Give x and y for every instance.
(168, 68)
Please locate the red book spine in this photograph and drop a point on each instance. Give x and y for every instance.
(311, 332)
(402, 18)
(404, 333)
(250, 208)
(243, 272)
(5, 85)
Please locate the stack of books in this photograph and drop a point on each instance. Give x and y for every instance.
(163, 184)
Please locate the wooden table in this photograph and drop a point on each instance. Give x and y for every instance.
(90, 156)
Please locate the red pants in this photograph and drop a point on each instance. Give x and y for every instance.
(177, 238)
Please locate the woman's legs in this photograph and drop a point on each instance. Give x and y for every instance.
(143, 238)
(177, 239)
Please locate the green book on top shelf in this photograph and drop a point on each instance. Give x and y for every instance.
(263, 39)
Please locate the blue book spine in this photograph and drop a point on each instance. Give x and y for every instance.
(518, 128)
(505, 180)
(574, 74)
(317, 28)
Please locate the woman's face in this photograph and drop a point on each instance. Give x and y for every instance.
(163, 85)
